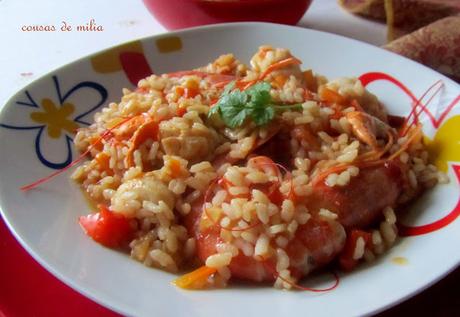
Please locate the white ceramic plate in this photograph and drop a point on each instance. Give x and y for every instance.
(44, 220)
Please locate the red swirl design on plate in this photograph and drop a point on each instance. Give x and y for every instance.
(436, 225)
(405, 230)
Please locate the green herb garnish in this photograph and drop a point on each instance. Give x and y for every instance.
(236, 106)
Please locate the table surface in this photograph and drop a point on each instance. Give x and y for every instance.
(28, 55)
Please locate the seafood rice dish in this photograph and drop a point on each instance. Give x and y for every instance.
(263, 172)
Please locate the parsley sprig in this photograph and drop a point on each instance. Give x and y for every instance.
(236, 106)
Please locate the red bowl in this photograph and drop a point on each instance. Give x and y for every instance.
(176, 14)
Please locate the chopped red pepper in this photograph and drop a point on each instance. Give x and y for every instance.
(191, 92)
(346, 257)
(180, 90)
(188, 92)
(108, 228)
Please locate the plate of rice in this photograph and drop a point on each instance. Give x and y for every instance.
(239, 168)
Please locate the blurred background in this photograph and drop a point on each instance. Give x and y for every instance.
(29, 54)
(36, 39)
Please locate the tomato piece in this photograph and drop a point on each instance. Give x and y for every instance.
(346, 260)
(107, 228)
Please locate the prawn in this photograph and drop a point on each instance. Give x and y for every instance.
(360, 202)
(321, 239)
(368, 128)
(314, 244)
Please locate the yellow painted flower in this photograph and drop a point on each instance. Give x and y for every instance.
(445, 146)
(55, 121)
(55, 118)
